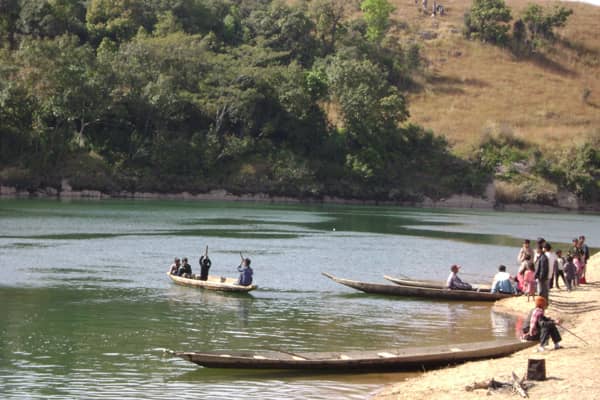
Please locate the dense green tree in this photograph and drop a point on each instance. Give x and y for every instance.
(9, 15)
(118, 20)
(329, 17)
(541, 22)
(377, 15)
(487, 20)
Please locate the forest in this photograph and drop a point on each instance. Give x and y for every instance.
(303, 99)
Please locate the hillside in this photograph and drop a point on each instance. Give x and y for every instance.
(468, 87)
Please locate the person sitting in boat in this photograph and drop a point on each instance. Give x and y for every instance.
(245, 273)
(174, 268)
(502, 282)
(539, 327)
(454, 282)
(186, 269)
(205, 264)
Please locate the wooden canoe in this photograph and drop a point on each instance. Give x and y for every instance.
(212, 283)
(432, 284)
(413, 291)
(359, 361)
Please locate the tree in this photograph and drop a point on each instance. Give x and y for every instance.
(541, 22)
(9, 15)
(328, 17)
(118, 20)
(371, 111)
(377, 15)
(487, 21)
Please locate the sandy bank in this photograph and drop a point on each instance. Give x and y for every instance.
(572, 372)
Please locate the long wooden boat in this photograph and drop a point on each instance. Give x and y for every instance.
(432, 284)
(412, 291)
(212, 283)
(360, 361)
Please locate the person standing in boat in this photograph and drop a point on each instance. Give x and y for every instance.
(186, 269)
(454, 282)
(174, 268)
(205, 264)
(539, 327)
(246, 273)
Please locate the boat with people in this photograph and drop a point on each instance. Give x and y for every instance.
(415, 291)
(413, 358)
(432, 284)
(219, 283)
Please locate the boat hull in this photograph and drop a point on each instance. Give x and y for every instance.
(412, 291)
(432, 284)
(212, 283)
(358, 361)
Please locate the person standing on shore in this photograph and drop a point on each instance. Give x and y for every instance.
(570, 274)
(539, 327)
(560, 265)
(524, 251)
(542, 271)
(529, 286)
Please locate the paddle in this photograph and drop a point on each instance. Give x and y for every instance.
(568, 330)
(206, 252)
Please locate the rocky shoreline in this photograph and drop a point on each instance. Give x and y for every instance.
(566, 202)
(571, 372)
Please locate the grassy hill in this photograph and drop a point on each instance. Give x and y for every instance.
(468, 88)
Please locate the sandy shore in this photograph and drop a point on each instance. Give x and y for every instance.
(573, 372)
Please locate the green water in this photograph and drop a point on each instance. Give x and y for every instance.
(86, 309)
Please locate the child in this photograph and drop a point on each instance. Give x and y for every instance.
(570, 273)
(579, 266)
(521, 274)
(529, 282)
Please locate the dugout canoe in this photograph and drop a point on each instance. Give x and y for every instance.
(431, 284)
(358, 361)
(212, 283)
(412, 291)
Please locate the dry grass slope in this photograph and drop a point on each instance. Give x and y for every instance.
(468, 87)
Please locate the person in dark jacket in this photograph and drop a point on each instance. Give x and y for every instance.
(542, 271)
(246, 273)
(205, 264)
(539, 327)
(186, 269)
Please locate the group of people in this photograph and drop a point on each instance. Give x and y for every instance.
(539, 271)
(181, 267)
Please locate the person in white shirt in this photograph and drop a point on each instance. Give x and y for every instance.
(502, 282)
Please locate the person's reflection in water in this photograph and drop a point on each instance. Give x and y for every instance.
(244, 312)
(501, 324)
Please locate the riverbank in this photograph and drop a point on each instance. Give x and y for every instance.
(566, 202)
(572, 371)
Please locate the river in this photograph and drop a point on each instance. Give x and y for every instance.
(86, 309)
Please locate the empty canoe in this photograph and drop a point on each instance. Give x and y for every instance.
(413, 291)
(359, 361)
(431, 284)
(212, 283)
